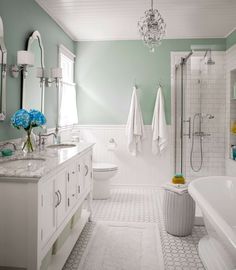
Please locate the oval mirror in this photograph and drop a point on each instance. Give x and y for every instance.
(32, 88)
(3, 65)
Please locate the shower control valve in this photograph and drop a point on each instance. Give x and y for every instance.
(202, 134)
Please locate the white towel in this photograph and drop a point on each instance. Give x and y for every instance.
(159, 127)
(135, 126)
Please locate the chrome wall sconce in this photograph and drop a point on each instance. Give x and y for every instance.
(25, 59)
(55, 76)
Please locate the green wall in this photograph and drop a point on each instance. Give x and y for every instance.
(20, 19)
(231, 40)
(106, 72)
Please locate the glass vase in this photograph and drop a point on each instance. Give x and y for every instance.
(29, 143)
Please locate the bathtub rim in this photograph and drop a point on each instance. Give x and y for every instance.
(209, 210)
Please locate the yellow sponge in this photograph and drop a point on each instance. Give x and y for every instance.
(178, 179)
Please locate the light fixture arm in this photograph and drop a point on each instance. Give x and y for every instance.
(49, 82)
(56, 76)
(16, 69)
(25, 59)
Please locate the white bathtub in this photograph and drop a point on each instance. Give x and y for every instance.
(216, 197)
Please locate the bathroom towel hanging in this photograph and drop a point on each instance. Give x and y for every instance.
(135, 126)
(159, 127)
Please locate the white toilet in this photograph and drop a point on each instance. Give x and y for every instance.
(102, 173)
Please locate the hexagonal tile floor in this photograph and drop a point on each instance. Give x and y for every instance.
(141, 205)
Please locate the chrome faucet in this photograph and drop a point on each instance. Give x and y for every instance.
(42, 138)
(8, 143)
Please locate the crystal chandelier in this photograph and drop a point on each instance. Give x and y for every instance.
(152, 28)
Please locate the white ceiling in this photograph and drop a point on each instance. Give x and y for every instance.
(117, 19)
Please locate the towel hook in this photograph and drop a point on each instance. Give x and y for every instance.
(135, 84)
(160, 84)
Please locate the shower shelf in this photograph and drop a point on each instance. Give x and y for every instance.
(232, 84)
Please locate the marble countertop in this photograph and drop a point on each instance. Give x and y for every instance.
(49, 159)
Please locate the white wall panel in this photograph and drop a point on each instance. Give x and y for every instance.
(144, 169)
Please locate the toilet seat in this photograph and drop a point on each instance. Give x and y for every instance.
(104, 167)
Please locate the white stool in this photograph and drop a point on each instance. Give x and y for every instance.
(178, 209)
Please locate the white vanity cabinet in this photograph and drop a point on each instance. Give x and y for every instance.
(40, 209)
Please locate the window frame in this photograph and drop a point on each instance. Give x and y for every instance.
(62, 50)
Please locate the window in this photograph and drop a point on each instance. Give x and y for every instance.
(67, 94)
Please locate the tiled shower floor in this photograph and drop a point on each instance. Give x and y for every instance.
(141, 205)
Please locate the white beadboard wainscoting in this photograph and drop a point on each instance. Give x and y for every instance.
(144, 169)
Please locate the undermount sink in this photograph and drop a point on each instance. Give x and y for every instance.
(61, 145)
(23, 163)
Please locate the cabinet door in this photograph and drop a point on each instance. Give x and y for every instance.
(72, 193)
(47, 211)
(61, 197)
(87, 168)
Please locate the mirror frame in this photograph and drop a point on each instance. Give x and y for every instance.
(3, 74)
(35, 36)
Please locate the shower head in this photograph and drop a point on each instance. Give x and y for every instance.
(209, 59)
(210, 62)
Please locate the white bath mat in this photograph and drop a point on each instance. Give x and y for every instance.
(123, 246)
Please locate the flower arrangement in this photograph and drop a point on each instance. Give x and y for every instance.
(28, 120)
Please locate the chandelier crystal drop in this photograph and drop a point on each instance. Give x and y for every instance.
(152, 28)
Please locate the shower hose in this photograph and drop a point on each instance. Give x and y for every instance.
(196, 169)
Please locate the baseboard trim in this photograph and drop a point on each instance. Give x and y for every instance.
(199, 221)
(135, 186)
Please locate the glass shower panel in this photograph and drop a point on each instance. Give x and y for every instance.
(181, 131)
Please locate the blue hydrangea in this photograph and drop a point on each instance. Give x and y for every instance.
(28, 120)
(21, 118)
(37, 118)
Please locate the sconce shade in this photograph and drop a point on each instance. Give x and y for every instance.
(56, 73)
(25, 58)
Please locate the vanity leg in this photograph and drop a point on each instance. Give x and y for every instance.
(90, 208)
